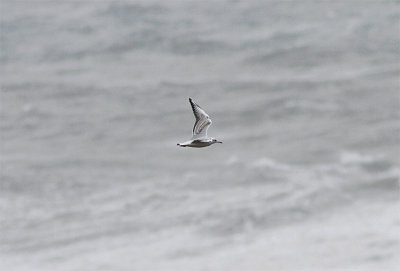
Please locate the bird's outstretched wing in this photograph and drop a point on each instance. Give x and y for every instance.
(202, 123)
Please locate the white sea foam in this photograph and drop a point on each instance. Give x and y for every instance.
(351, 158)
(269, 163)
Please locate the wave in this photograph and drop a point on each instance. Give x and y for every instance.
(351, 158)
(266, 162)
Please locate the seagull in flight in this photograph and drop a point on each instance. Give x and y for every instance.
(203, 121)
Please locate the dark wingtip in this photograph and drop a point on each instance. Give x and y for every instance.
(191, 102)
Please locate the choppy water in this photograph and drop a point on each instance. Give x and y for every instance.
(305, 96)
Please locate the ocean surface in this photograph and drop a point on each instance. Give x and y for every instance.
(94, 99)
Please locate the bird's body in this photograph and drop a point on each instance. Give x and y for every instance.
(196, 143)
(203, 121)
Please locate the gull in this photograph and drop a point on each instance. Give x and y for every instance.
(203, 121)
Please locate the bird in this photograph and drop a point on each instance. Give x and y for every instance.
(200, 139)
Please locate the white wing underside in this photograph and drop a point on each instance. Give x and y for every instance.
(202, 123)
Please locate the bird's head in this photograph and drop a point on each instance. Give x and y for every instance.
(215, 141)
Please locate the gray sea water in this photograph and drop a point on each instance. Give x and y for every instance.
(94, 98)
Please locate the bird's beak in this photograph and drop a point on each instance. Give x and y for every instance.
(219, 142)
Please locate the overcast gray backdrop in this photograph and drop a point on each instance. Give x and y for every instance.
(94, 98)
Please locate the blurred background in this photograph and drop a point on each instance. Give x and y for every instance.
(94, 98)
